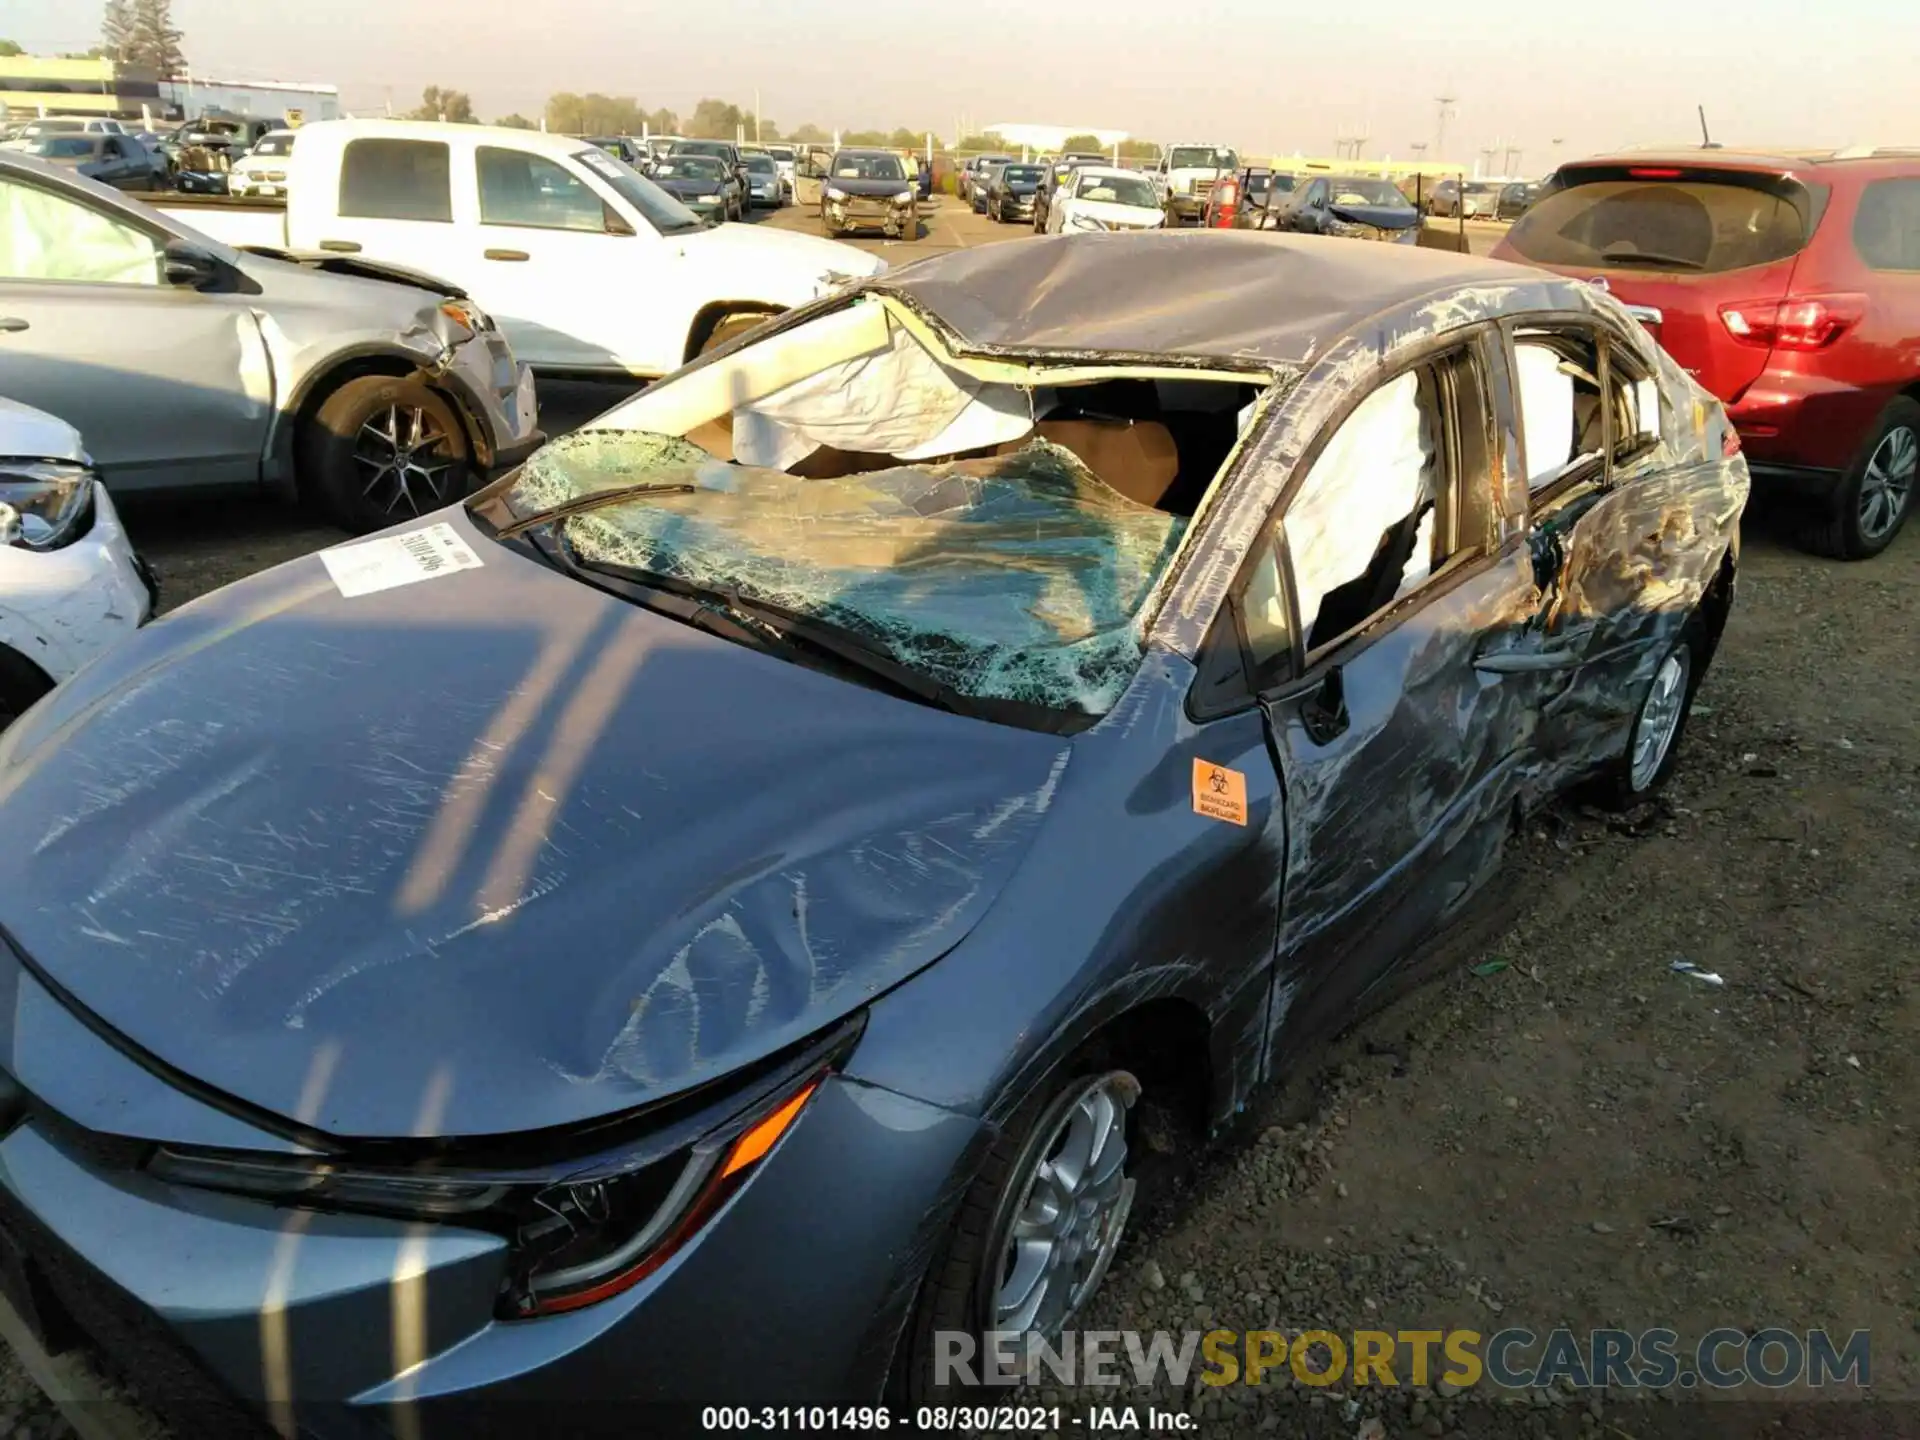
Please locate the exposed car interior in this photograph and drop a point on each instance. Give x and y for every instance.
(856, 391)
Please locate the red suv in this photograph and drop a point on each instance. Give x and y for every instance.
(1789, 286)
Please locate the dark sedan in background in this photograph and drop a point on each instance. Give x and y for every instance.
(1010, 193)
(703, 184)
(984, 179)
(828, 870)
(1355, 207)
(121, 161)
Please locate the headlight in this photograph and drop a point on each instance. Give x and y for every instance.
(905, 197)
(833, 194)
(466, 318)
(582, 1230)
(44, 504)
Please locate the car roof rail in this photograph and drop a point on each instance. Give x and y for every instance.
(1873, 152)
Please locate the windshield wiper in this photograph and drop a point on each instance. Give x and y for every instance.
(792, 626)
(581, 504)
(1641, 257)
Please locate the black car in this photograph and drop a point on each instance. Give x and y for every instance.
(1011, 190)
(1358, 207)
(703, 184)
(1515, 200)
(620, 147)
(117, 160)
(723, 150)
(869, 189)
(984, 180)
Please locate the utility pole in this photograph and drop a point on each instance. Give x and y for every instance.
(1445, 104)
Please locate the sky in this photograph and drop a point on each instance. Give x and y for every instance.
(1268, 76)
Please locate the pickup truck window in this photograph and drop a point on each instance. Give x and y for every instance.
(396, 180)
(518, 187)
(44, 236)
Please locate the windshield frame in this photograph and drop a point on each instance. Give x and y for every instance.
(867, 157)
(1084, 179)
(1363, 184)
(651, 206)
(1218, 159)
(65, 145)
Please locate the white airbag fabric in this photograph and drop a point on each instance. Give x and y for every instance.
(899, 401)
(45, 237)
(1370, 477)
(1546, 411)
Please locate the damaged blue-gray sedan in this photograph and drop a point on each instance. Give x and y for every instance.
(742, 901)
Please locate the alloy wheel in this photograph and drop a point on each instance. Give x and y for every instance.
(1660, 715)
(406, 459)
(1887, 485)
(1073, 1208)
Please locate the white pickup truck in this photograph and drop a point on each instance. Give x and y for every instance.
(1187, 173)
(587, 266)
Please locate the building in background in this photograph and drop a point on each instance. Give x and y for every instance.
(40, 85)
(262, 99)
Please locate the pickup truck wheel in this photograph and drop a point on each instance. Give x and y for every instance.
(1874, 499)
(381, 451)
(731, 325)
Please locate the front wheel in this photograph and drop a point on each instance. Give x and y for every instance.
(1035, 1231)
(1873, 500)
(381, 451)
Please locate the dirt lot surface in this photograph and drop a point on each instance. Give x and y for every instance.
(1559, 1128)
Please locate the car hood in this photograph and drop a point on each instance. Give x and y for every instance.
(30, 434)
(1115, 216)
(690, 186)
(870, 189)
(799, 258)
(1381, 217)
(489, 852)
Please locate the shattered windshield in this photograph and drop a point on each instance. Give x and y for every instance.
(1017, 577)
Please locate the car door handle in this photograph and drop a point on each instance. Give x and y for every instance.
(506, 255)
(12, 324)
(1533, 662)
(342, 247)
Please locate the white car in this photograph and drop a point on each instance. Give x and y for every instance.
(62, 125)
(70, 584)
(263, 169)
(1103, 198)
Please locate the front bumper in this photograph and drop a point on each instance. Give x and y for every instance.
(858, 213)
(221, 1309)
(1188, 207)
(63, 607)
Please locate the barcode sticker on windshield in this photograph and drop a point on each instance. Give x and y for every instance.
(374, 565)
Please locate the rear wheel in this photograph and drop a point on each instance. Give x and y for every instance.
(1038, 1227)
(1653, 744)
(382, 451)
(1874, 499)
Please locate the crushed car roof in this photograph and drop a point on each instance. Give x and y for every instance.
(1220, 295)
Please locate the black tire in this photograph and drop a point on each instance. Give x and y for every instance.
(956, 1294)
(347, 459)
(22, 683)
(1617, 787)
(1873, 501)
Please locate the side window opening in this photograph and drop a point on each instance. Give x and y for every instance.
(44, 236)
(1886, 227)
(1636, 405)
(1562, 420)
(523, 189)
(396, 180)
(1402, 490)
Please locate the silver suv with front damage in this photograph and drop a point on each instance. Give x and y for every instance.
(379, 393)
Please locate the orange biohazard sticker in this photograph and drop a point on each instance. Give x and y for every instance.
(1219, 793)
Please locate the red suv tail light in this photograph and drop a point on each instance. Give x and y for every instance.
(1811, 322)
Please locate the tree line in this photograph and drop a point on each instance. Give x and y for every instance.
(596, 114)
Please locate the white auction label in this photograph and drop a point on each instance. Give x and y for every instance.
(374, 565)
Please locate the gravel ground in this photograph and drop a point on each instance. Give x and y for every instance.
(1556, 1128)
